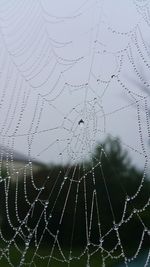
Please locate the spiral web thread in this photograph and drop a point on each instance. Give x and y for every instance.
(57, 68)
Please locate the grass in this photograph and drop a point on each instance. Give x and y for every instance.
(15, 256)
(95, 260)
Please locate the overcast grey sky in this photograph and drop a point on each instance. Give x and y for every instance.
(63, 61)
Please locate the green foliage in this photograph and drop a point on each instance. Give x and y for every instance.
(109, 173)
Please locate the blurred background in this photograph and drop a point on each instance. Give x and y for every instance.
(74, 133)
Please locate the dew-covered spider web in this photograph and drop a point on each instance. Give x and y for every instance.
(73, 73)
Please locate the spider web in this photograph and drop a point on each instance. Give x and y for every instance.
(71, 73)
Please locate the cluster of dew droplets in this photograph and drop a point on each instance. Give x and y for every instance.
(33, 67)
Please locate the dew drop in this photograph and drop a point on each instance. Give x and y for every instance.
(81, 122)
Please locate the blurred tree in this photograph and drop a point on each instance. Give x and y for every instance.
(109, 173)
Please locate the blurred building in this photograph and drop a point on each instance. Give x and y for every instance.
(13, 162)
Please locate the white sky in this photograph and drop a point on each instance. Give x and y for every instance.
(57, 59)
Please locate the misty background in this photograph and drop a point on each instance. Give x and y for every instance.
(67, 61)
(74, 95)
